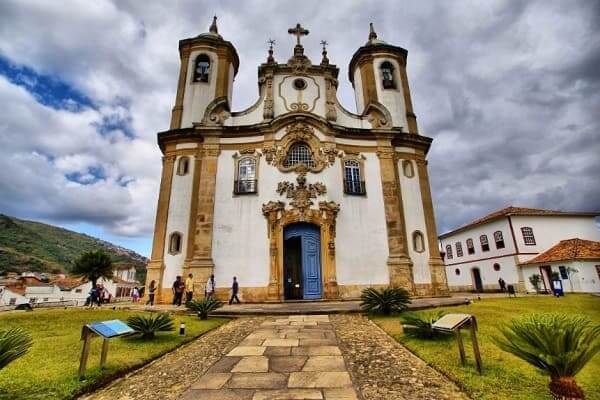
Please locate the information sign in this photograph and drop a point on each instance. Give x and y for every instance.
(104, 329)
(109, 329)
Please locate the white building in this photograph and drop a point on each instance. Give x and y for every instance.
(575, 261)
(11, 298)
(296, 196)
(478, 254)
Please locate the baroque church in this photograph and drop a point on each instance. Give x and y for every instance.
(296, 196)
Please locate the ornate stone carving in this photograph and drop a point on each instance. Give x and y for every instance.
(299, 107)
(216, 112)
(301, 193)
(300, 132)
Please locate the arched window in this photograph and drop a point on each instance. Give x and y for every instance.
(528, 237)
(449, 252)
(408, 169)
(246, 176)
(499, 239)
(183, 166)
(201, 68)
(175, 243)
(353, 183)
(387, 75)
(470, 246)
(485, 245)
(299, 153)
(459, 251)
(418, 241)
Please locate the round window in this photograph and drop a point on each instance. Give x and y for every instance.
(496, 267)
(299, 84)
(457, 271)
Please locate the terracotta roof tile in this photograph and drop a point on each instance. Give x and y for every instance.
(567, 250)
(68, 283)
(518, 211)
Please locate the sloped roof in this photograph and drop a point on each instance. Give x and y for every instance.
(568, 250)
(68, 283)
(523, 211)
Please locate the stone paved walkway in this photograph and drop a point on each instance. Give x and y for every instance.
(381, 368)
(296, 357)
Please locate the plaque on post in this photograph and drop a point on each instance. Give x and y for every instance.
(453, 323)
(104, 329)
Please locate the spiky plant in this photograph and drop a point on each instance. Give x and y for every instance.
(385, 301)
(536, 281)
(14, 343)
(204, 306)
(419, 325)
(148, 325)
(559, 345)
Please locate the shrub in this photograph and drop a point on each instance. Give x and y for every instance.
(535, 280)
(148, 325)
(557, 344)
(204, 306)
(14, 343)
(418, 325)
(385, 301)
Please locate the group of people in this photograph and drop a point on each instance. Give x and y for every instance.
(98, 295)
(186, 287)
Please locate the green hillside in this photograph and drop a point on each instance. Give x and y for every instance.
(33, 246)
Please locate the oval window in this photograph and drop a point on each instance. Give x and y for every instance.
(496, 267)
(299, 84)
(457, 271)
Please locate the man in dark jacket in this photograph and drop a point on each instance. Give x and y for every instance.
(178, 289)
(234, 291)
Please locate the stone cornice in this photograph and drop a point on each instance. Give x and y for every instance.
(367, 51)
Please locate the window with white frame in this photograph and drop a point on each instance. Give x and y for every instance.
(528, 237)
(246, 176)
(485, 245)
(353, 182)
(470, 246)
(449, 252)
(299, 153)
(459, 250)
(499, 239)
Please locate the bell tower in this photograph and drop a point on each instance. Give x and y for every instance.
(208, 67)
(378, 74)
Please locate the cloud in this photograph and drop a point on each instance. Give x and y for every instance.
(508, 90)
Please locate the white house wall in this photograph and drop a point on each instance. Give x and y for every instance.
(393, 99)
(414, 218)
(178, 220)
(198, 94)
(585, 280)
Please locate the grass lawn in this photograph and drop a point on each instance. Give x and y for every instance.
(504, 376)
(49, 369)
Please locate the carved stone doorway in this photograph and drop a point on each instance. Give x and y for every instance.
(302, 261)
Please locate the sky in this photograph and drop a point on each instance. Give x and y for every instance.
(508, 90)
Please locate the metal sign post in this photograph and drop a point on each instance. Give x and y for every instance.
(452, 323)
(106, 330)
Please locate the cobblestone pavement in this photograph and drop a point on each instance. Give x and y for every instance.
(293, 357)
(169, 376)
(383, 369)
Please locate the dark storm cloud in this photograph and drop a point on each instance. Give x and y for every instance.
(509, 90)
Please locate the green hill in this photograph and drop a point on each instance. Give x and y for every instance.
(37, 247)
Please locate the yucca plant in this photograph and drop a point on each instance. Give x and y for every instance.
(385, 301)
(419, 325)
(204, 306)
(559, 345)
(14, 343)
(148, 325)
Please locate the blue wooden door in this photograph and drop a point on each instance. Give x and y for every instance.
(311, 257)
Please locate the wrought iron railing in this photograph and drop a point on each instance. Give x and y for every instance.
(354, 187)
(245, 186)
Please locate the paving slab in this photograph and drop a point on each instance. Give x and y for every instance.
(287, 364)
(252, 364)
(281, 343)
(288, 394)
(316, 351)
(319, 380)
(325, 363)
(246, 351)
(212, 381)
(267, 380)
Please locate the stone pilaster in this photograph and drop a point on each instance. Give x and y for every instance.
(202, 264)
(156, 267)
(178, 109)
(399, 263)
(191, 234)
(411, 118)
(272, 211)
(439, 281)
(329, 211)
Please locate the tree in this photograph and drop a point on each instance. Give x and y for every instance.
(93, 265)
(559, 345)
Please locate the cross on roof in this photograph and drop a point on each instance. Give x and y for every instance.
(298, 31)
(324, 43)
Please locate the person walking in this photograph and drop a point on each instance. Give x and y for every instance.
(178, 288)
(234, 291)
(135, 295)
(210, 286)
(151, 291)
(189, 288)
(502, 284)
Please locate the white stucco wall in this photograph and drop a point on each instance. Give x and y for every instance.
(178, 220)
(358, 92)
(198, 95)
(585, 280)
(414, 218)
(313, 95)
(508, 272)
(393, 99)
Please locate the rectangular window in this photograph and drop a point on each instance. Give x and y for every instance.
(470, 246)
(499, 239)
(459, 251)
(598, 270)
(485, 245)
(449, 252)
(246, 178)
(563, 272)
(353, 183)
(528, 237)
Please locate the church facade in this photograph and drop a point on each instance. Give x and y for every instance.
(295, 196)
